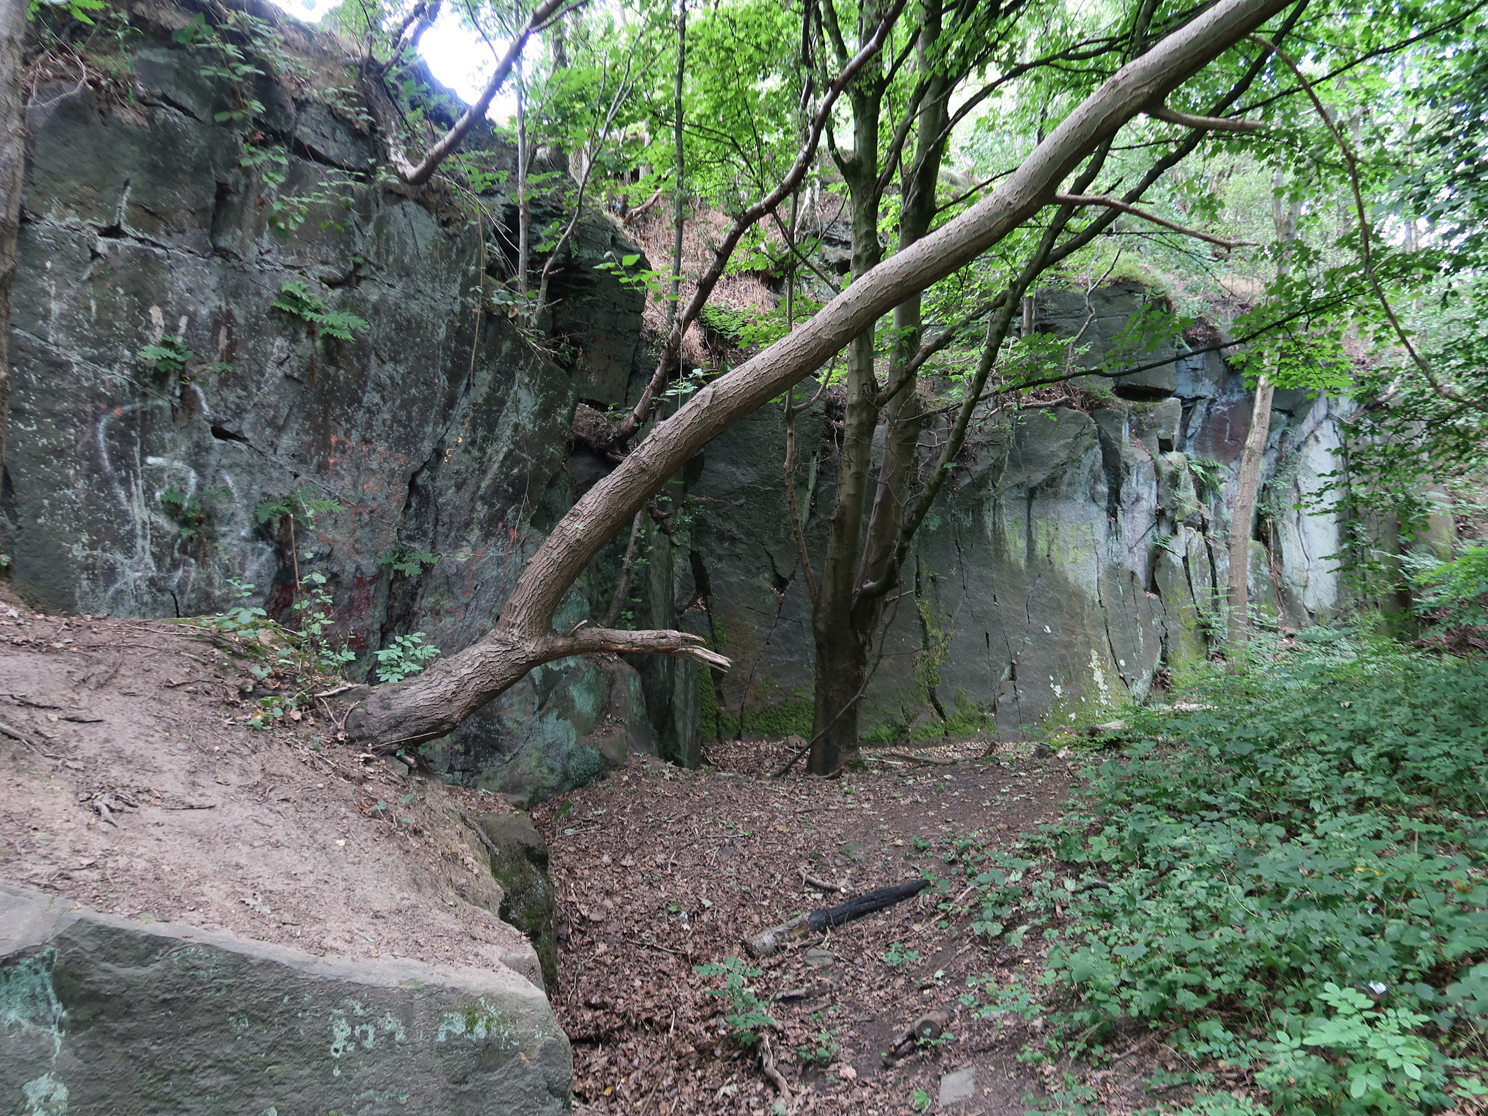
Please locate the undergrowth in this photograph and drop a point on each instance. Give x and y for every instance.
(1287, 880)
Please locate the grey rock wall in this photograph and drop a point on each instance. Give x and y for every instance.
(1075, 554)
(438, 433)
(105, 1015)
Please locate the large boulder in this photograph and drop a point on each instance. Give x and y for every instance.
(102, 1014)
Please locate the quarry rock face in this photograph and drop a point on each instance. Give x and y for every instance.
(103, 1014)
(183, 426)
(185, 433)
(1078, 549)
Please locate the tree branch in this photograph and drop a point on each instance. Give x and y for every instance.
(1366, 256)
(1113, 203)
(745, 220)
(1208, 123)
(434, 702)
(418, 175)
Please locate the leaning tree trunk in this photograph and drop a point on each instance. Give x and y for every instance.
(12, 177)
(433, 703)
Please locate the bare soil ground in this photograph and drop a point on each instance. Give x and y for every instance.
(136, 789)
(659, 870)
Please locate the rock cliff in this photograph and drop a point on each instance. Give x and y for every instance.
(185, 421)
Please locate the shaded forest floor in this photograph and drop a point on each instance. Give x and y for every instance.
(659, 870)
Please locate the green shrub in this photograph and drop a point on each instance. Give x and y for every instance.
(1313, 831)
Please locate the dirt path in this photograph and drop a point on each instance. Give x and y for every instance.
(659, 870)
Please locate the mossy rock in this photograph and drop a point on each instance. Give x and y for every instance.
(520, 863)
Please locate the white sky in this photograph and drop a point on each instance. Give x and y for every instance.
(458, 56)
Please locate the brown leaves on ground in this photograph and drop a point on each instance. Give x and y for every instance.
(659, 870)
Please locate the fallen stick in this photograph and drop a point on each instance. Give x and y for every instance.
(820, 884)
(767, 1063)
(768, 942)
(15, 734)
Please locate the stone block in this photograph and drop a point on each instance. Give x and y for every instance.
(102, 1014)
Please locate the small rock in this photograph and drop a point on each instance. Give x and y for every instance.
(819, 958)
(957, 1087)
(853, 850)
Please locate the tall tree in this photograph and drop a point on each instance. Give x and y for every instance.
(433, 703)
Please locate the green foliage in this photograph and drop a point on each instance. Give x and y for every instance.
(240, 617)
(1376, 1063)
(300, 506)
(298, 301)
(312, 609)
(920, 1101)
(190, 512)
(1314, 828)
(1457, 589)
(746, 1015)
(75, 9)
(408, 655)
(897, 956)
(409, 563)
(821, 1050)
(169, 356)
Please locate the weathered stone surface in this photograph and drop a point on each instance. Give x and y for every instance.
(440, 435)
(1119, 326)
(101, 1014)
(520, 862)
(957, 1087)
(1072, 557)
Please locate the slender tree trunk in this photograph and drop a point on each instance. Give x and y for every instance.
(524, 199)
(846, 622)
(841, 658)
(12, 178)
(434, 702)
(1248, 483)
(1243, 512)
(679, 200)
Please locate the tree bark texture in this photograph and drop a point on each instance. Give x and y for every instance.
(12, 178)
(431, 704)
(841, 660)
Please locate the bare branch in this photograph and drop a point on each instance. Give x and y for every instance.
(1366, 255)
(419, 20)
(418, 175)
(593, 641)
(746, 220)
(1113, 203)
(1208, 123)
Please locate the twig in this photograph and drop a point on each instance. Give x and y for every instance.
(16, 734)
(484, 840)
(1114, 203)
(1208, 123)
(1366, 257)
(819, 884)
(418, 175)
